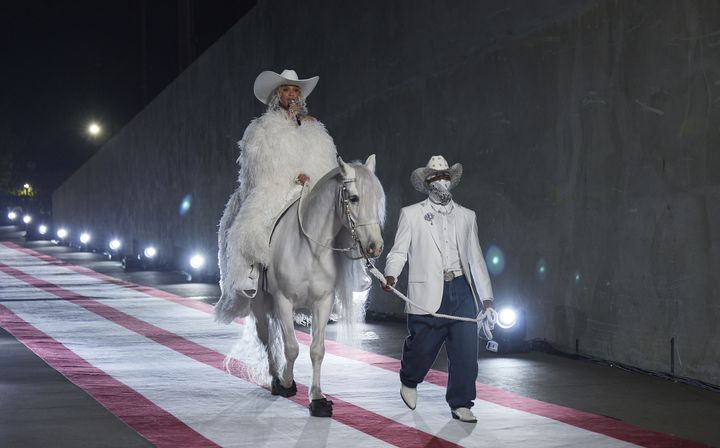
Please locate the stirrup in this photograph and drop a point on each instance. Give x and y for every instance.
(250, 283)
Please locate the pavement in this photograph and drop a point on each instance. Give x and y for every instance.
(40, 407)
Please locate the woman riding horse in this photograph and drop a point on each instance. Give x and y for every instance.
(280, 152)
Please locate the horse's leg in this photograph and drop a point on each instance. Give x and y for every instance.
(284, 312)
(261, 310)
(319, 406)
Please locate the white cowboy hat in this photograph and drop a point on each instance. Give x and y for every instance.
(436, 165)
(268, 81)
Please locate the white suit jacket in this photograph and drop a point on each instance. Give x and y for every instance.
(418, 241)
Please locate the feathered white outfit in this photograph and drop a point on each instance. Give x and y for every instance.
(273, 151)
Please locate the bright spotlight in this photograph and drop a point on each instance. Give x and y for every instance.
(85, 238)
(26, 186)
(507, 317)
(150, 252)
(62, 233)
(27, 219)
(42, 229)
(197, 261)
(94, 129)
(12, 216)
(115, 244)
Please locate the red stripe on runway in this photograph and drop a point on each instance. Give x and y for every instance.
(580, 419)
(159, 427)
(368, 422)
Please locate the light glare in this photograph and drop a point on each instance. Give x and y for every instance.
(12, 216)
(150, 252)
(42, 229)
(94, 129)
(507, 317)
(27, 219)
(62, 233)
(197, 261)
(85, 238)
(115, 244)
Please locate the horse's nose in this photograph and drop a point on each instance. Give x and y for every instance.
(375, 249)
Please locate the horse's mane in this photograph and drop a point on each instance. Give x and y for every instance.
(373, 186)
(353, 279)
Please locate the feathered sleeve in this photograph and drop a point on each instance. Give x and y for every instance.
(250, 148)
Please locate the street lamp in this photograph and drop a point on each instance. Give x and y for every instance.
(94, 129)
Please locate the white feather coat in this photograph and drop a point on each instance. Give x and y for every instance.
(273, 151)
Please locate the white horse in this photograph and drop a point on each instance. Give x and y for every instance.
(311, 266)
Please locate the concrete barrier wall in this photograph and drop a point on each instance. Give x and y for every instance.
(588, 131)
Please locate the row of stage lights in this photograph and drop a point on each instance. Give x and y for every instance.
(510, 321)
(146, 258)
(507, 317)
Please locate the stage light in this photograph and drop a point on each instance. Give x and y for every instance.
(510, 331)
(507, 317)
(85, 238)
(150, 252)
(12, 216)
(115, 244)
(62, 233)
(27, 219)
(42, 229)
(197, 261)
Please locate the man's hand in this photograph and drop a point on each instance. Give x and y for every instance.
(302, 179)
(488, 304)
(389, 281)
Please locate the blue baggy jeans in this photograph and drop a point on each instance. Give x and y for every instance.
(426, 334)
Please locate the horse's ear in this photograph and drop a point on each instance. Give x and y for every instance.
(370, 163)
(345, 169)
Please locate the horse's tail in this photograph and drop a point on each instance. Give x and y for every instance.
(228, 307)
(249, 355)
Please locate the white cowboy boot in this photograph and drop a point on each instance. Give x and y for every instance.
(464, 415)
(248, 286)
(409, 396)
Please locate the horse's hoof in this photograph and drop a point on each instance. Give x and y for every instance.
(278, 389)
(321, 407)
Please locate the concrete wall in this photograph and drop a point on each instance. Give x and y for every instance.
(587, 130)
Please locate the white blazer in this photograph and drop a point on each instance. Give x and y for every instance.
(417, 240)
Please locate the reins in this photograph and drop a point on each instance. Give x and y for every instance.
(486, 318)
(352, 224)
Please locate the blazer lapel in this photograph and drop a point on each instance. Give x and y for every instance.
(429, 217)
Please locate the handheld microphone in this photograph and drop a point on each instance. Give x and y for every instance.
(297, 116)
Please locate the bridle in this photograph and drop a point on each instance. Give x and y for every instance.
(348, 221)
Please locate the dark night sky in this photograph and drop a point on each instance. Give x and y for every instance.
(63, 64)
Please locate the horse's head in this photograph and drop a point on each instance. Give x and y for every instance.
(362, 205)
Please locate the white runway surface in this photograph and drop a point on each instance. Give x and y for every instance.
(156, 361)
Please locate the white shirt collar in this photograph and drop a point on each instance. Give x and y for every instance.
(442, 209)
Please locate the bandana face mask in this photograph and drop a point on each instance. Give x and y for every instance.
(440, 192)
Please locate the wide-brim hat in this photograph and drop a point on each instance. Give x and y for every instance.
(436, 165)
(268, 81)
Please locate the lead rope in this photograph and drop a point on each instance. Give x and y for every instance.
(486, 318)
